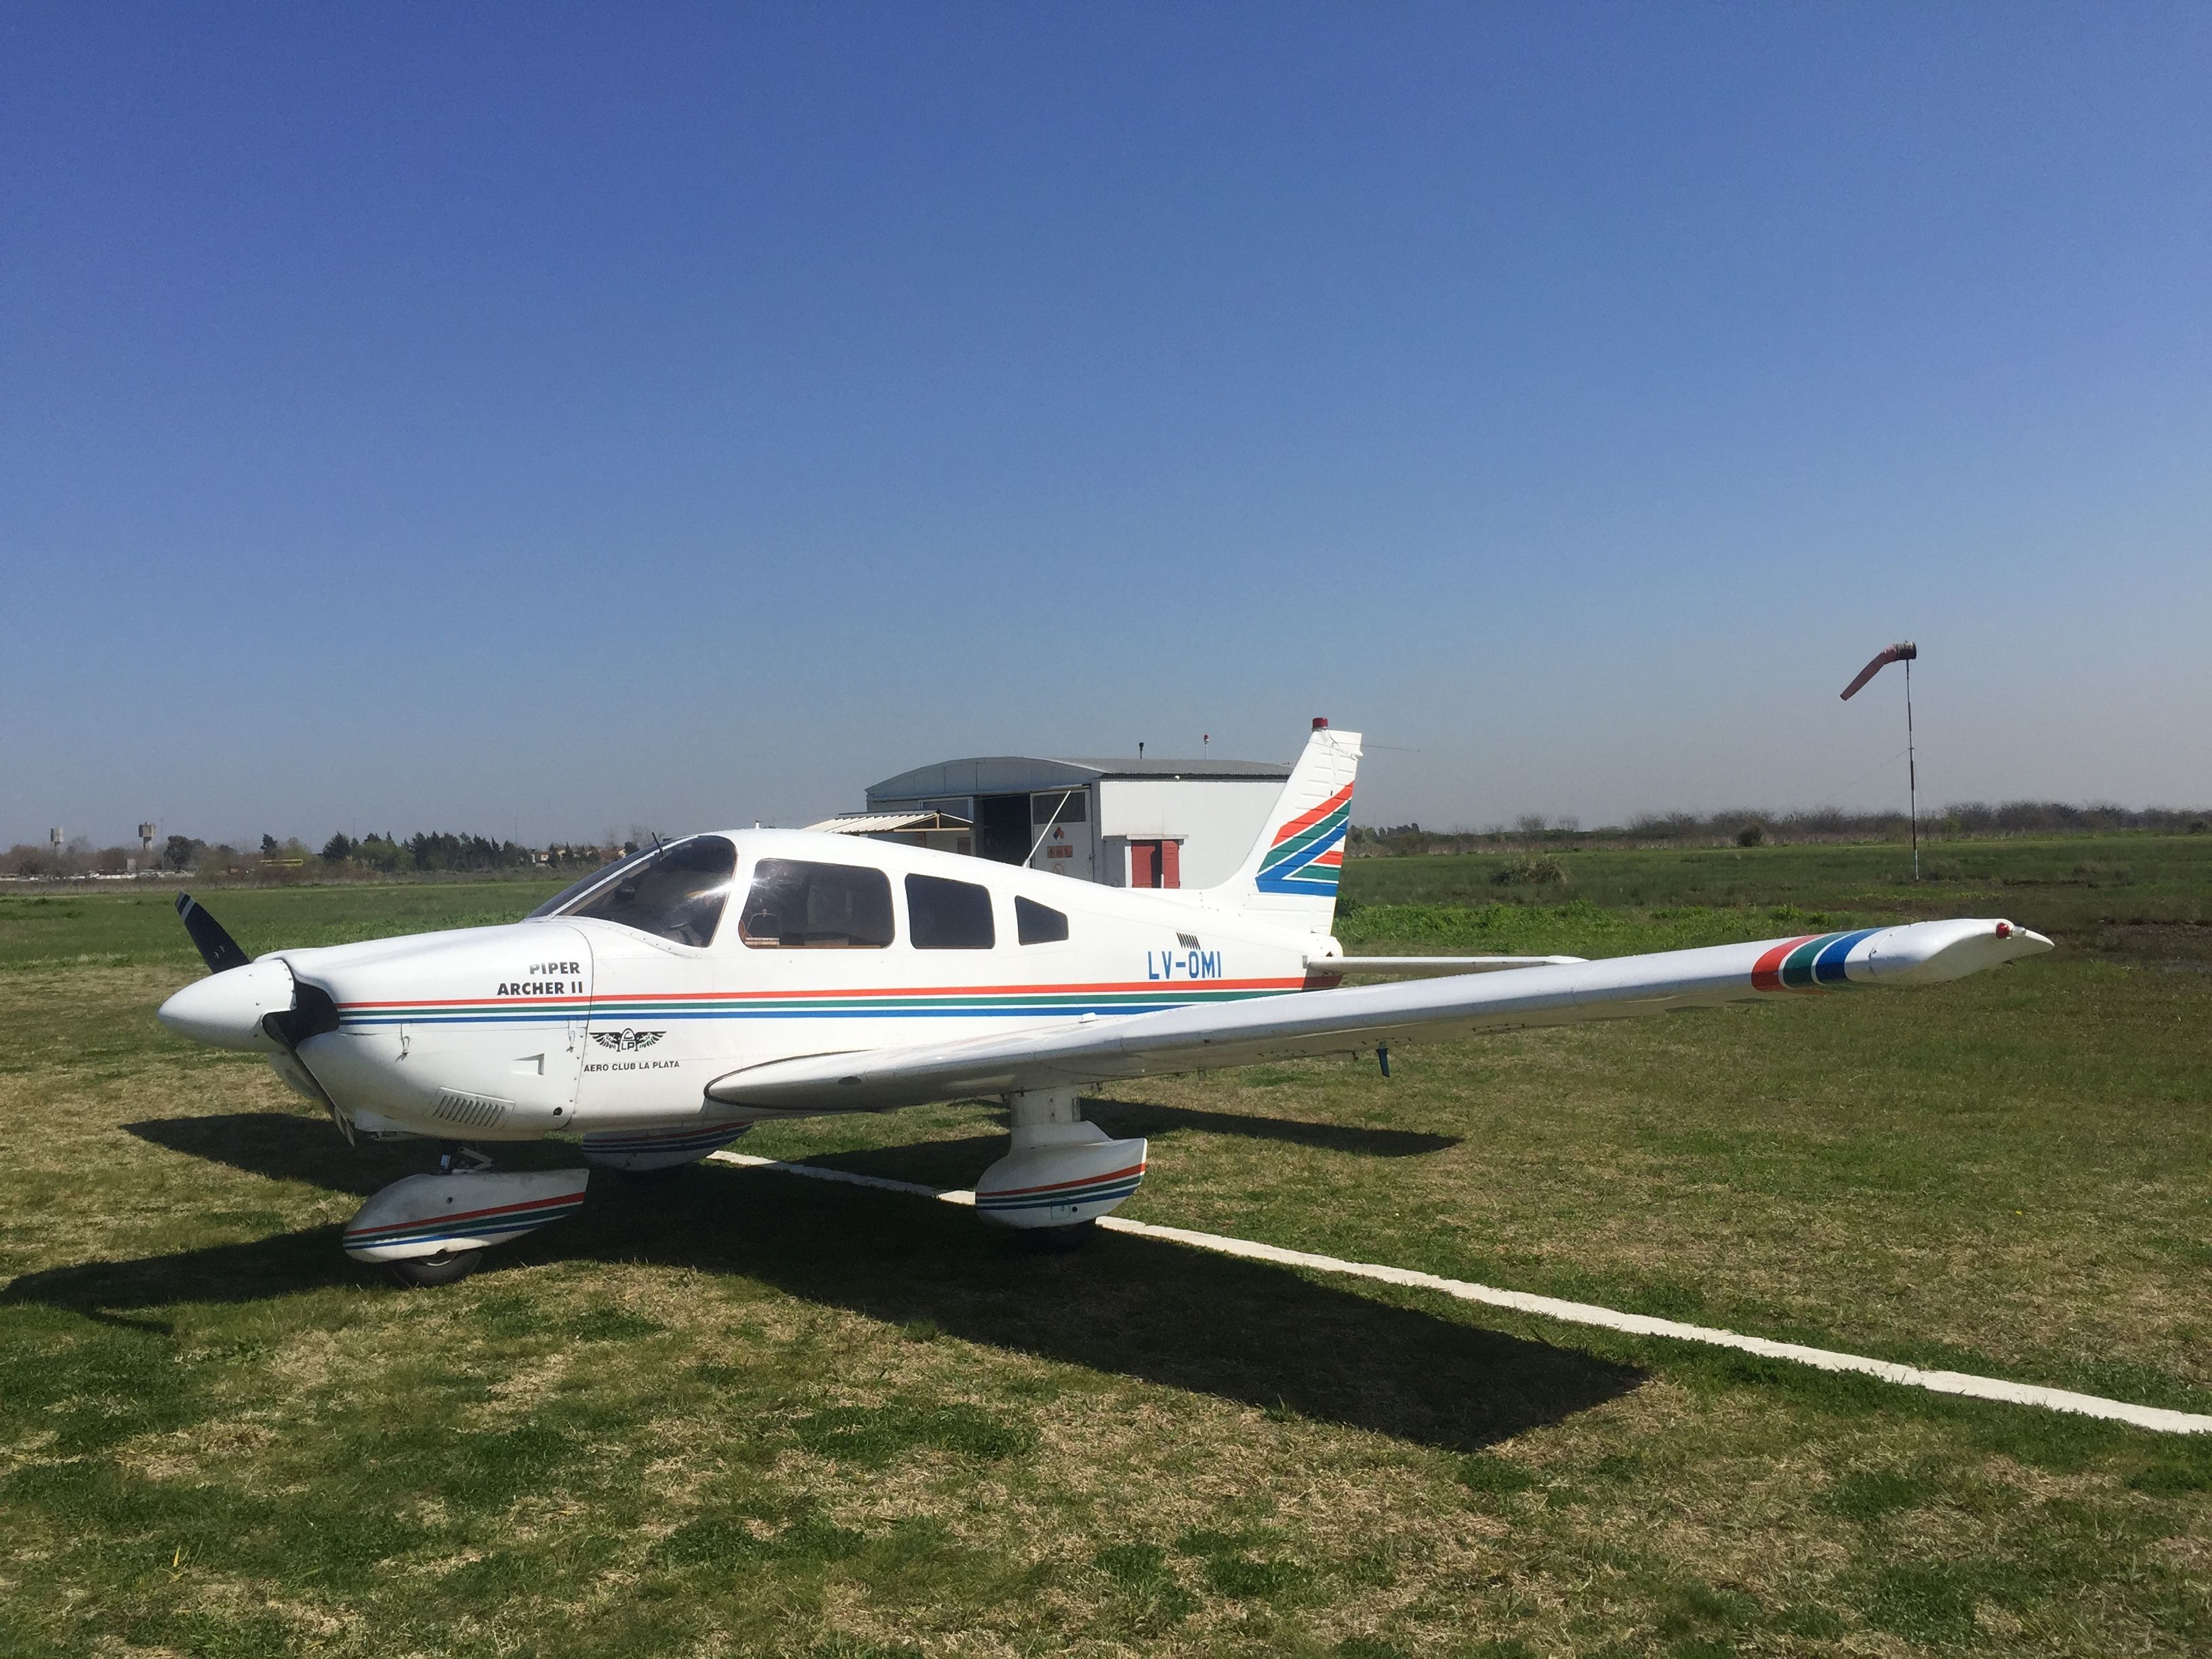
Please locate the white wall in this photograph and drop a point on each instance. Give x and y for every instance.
(1217, 819)
(1079, 842)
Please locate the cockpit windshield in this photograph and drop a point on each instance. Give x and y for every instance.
(575, 890)
(675, 893)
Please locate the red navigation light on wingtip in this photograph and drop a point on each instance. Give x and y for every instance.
(1320, 723)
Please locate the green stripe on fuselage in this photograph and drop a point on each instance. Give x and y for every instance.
(1179, 990)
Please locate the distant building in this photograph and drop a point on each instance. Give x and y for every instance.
(1121, 823)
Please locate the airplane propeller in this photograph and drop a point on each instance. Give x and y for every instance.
(216, 947)
(287, 1013)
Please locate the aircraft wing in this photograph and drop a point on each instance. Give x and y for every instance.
(1339, 966)
(1206, 1036)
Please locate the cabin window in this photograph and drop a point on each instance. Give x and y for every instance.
(948, 915)
(1038, 924)
(796, 905)
(676, 893)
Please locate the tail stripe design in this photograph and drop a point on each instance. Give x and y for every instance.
(1806, 962)
(1308, 853)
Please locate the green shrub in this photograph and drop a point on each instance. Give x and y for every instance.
(1543, 871)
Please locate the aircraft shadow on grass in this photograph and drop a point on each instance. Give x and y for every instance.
(290, 1146)
(1125, 1118)
(1242, 1331)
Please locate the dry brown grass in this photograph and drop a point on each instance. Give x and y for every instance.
(215, 1436)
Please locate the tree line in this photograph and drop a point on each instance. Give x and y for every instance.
(426, 852)
(1743, 826)
(440, 852)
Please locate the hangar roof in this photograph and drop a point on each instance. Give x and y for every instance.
(885, 824)
(995, 774)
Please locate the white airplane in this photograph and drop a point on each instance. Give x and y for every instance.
(662, 1006)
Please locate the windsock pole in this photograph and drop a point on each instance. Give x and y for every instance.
(1911, 772)
(1904, 650)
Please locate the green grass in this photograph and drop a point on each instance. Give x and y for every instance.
(749, 1414)
(95, 928)
(2134, 894)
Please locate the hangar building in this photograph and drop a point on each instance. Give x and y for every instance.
(1122, 822)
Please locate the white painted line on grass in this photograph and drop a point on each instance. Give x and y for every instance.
(1580, 1313)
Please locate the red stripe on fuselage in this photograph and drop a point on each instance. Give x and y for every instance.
(611, 998)
(578, 1003)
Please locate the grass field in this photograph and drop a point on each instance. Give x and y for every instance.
(747, 1413)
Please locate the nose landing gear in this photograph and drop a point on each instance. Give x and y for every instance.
(422, 1272)
(434, 1229)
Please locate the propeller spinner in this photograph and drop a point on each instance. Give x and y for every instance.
(260, 1006)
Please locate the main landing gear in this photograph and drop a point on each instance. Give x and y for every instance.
(1060, 1174)
(434, 1229)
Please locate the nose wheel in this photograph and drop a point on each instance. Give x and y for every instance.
(421, 1272)
(1058, 1240)
(434, 1229)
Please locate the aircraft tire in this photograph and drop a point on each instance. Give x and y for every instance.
(423, 1272)
(665, 1177)
(1058, 1240)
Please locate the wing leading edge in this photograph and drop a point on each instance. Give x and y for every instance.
(1204, 1037)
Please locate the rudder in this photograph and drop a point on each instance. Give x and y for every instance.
(1293, 867)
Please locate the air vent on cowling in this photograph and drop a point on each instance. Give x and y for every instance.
(478, 1111)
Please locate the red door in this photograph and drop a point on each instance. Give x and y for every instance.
(1144, 864)
(1155, 864)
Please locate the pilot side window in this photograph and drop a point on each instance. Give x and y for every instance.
(1038, 924)
(676, 894)
(948, 915)
(795, 905)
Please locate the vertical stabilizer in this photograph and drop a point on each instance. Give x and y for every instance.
(1292, 871)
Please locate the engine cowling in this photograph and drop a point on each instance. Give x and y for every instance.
(474, 1035)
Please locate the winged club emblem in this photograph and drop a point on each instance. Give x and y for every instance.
(626, 1039)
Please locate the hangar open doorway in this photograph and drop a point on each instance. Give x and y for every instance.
(1002, 828)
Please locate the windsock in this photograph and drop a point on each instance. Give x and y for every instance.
(1903, 651)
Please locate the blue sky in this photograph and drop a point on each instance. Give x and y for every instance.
(542, 421)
